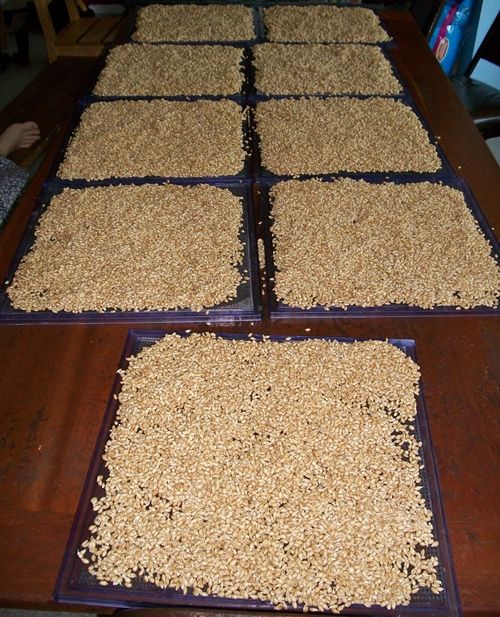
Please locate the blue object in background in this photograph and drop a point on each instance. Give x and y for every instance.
(447, 37)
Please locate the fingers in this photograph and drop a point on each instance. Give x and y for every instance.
(32, 136)
(30, 126)
(30, 130)
(31, 133)
(26, 142)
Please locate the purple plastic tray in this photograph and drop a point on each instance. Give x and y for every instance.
(258, 30)
(246, 306)
(239, 97)
(76, 585)
(281, 310)
(261, 173)
(263, 4)
(244, 174)
(257, 95)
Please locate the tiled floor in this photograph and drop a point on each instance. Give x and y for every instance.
(15, 79)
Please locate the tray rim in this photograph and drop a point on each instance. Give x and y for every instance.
(64, 593)
(263, 4)
(255, 94)
(256, 17)
(10, 315)
(85, 102)
(238, 97)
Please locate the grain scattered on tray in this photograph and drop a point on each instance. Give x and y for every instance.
(313, 136)
(286, 472)
(150, 247)
(322, 24)
(261, 252)
(171, 70)
(350, 242)
(184, 22)
(323, 69)
(156, 138)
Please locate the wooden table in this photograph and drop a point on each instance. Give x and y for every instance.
(55, 381)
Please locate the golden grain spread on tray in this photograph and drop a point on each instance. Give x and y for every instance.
(323, 69)
(149, 247)
(286, 472)
(348, 242)
(321, 136)
(322, 24)
(156, 138)
(190, 22)
(171, 70)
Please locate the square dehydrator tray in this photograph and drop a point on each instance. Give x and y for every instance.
(136, 5)
(246, 306)
(239, 97)
(85, 103)
(75, 584)
(279, 309)
(263, 4)
(256, 95)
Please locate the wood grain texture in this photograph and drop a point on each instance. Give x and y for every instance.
(55, 381)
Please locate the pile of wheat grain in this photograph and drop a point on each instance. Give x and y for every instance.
(171, 70)
(321, 136)
(287, 472)
(323, 69)
(323, 24)
(156, 138)
(190, 22)
(348, 242)
(150, 247)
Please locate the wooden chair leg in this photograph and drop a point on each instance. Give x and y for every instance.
(72, 7)
(49, 34)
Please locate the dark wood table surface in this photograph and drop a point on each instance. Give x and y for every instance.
(55, 381)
